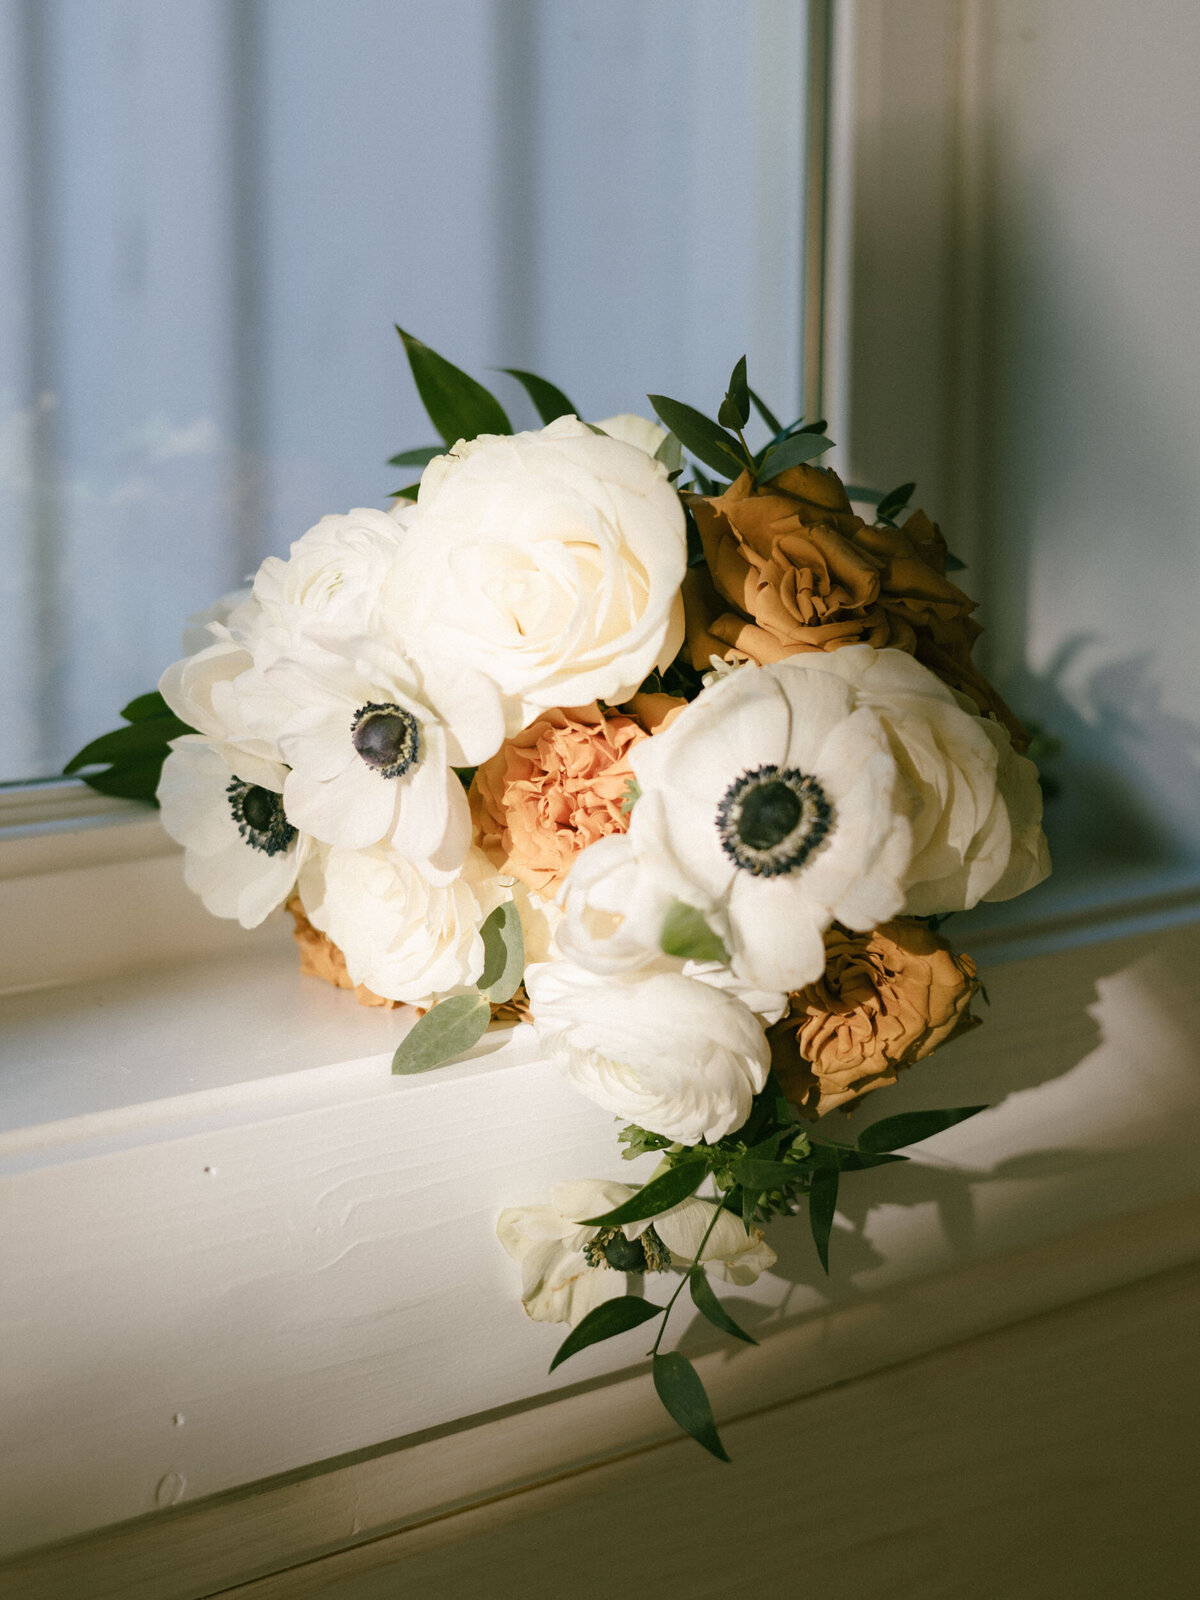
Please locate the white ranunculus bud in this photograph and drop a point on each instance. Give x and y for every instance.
(568, 1269)
(549, 561)
(667, 1052)
(402, 936)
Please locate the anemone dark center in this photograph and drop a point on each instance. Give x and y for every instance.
(772, 819)
(610, 1248)
(387, 737)
(260, 817)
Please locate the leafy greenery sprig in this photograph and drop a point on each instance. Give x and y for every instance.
(771, 1166)
(132, 757)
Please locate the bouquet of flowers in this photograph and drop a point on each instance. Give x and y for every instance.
(677, 758)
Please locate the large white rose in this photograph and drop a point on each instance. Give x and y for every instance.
(402, 936)
(550, 561)
(567, 1269)
(241, 854)
(669, 1053)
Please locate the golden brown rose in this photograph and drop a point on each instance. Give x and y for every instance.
(791, 568)
(886, 999)
(559, 785)
(321, 958)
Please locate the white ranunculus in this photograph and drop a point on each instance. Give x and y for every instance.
(549, 561)
(565, 1273)
(637, 431)
(232, 616)
(241, 854)
(327, 589)
(975, 804)
(372, 744)
(672, 1054)
(402, 936)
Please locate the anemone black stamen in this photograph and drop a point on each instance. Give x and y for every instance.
(387, 737)
(772, 819)
(610, 1248)
(259, 815)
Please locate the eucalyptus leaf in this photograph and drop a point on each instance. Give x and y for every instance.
(549, 403)
(503, 954)
(605, 1321)
(682, 1393)
(793, 452)
(822, 1203)
(442, 1034)
(458, 406)
(417, 458)
(705, 1300)
(767, 415)
(687, 935)
(910, 1127)
(701, 435)
(895, 500)
(729, 414)
(145, 707)
(675, 1185)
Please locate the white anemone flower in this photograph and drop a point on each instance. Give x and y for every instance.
(567, 1268)
(241, 854)
(670, 1053)
(372, 743)
(403, 937)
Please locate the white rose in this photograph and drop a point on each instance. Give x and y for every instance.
(667, 1052)
(403, 937)
(549, 561)
(231, 616)
(637, 431)
(241, 854)
(566, 1270)
(219, 692)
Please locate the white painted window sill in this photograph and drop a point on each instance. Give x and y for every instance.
(235, 1246)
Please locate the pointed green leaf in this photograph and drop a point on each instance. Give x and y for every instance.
(822, 1203)
(409, 492)
(132, 743)
(135, 780)
(442, 1034)
(549, 403)
(660, 1194)
(670, 453)
(896, 500)
(793, 452)
(739, 391)
(687, 935)
(682, 1393)
(910, 1127)
(700, 435)
(458, 407)
(145, 707)
(953, 564)
(503, 954)
(846, 1159)
(605, 1321)
(705, 1300)
(768, 416)
(417, 458)
(859, 491)
(755, 1174)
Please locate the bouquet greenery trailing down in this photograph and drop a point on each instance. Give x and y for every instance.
(642, 734)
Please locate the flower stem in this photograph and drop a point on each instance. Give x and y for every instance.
(695, 1262)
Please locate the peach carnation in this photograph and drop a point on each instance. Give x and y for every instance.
(559, 785)
(885, 1000)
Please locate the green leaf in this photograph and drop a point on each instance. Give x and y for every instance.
(701, 435)
(686, 934)
(443, 1033)
(549, 403)
(131, 744)
(739, 391)
(605, 1321)
(707, 1304)
(420, 457)
(895, 500)
(953, 564)
(659, 1195)
(768, 416)
(846, 1159)
(409, 492)
(145, 707)
(670, 453)
(503, 954)
(859, 491)
(682, 1393)
(136, 781)
(812, 427)
(766, 1174)
(458, 407)
(793, 452)
(822, 1203)
(910, 1127)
